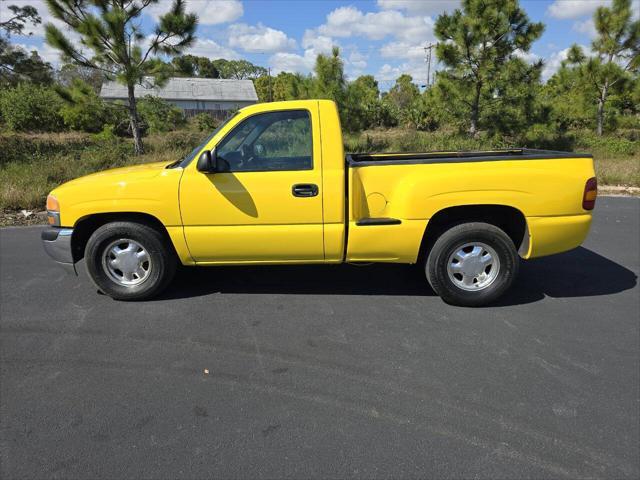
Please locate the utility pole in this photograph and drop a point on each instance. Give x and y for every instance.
(427, 53)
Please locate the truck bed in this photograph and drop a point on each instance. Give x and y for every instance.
(389, 208)
(364, 159)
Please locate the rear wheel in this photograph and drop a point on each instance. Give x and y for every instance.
(472, 264)
(129, 261)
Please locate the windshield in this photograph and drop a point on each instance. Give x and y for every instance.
(186, 160)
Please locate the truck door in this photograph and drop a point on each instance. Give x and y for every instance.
(264, 202)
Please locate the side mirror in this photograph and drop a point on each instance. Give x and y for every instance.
(207, 162)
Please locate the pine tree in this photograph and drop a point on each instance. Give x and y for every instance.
(616, 53)
(476, 42)
(110, 30)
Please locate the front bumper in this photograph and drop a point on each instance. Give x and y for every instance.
(57, 244)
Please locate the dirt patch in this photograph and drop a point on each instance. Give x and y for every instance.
(619, 190)
(22, 218)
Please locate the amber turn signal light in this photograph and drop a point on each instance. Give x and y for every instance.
(52, 204)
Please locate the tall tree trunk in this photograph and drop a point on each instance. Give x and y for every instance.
(600, 118)
(600, 114)
(134, 121)
(475, 111)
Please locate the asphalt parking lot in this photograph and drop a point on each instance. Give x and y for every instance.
(309, 372)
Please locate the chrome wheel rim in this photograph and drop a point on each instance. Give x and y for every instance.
(473, 266)
(126, 262)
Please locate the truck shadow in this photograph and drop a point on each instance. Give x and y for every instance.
(579, 273)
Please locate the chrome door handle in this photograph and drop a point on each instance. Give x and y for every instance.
(304, 190)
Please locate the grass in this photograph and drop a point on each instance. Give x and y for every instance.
(31, 165)
(35, 164)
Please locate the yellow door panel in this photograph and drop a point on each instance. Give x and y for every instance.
(216, 206)
(249, 211)
(266, 243)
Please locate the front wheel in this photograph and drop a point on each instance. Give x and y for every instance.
(472, 264)
(129, 261)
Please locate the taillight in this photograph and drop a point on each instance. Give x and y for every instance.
(590, 194)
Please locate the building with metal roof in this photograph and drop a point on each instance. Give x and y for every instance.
(192, 95)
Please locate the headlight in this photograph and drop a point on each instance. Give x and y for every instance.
(53, 211)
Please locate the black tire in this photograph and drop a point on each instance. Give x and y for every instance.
(161, 266)
(452, 241)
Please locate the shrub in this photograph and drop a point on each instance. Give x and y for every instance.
(205, 122)
(20, 147)
(629, 121)
(183, 141)
(84, 110)
(354, 143)
(609, 145)
(107, 134)
(30, 107)
(159, 115)
(546, 137)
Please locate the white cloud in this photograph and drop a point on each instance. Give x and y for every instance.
(349, 21)
(420, 7)
(387, 74)
(292, 62)
(43, 11)
(319, 43)
(528, 57)
(313, 43)
(564, 9)
(210, 12)
(409, 34)
(47, 53)
(404, 50)
(587, 27)
(357, 60)
(218, 11)
(553, 62)
(259, 38)
(204, 47)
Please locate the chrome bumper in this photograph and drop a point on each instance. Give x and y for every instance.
(57, 244)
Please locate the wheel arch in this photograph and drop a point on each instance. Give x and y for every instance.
(509, 219)
(86, 226)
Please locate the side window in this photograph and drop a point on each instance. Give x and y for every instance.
(274, 141)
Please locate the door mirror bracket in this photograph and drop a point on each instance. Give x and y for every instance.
(207, 162)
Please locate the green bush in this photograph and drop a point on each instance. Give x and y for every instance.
(629, 121)
(107, 134)
(205, 122)
(355, 143)
(84, 110)
(20, 147)
(159, 115)
(610, 145)
(31, 108)
(546, 137)
(181, 141)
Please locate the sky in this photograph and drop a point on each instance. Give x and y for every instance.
(384, 38)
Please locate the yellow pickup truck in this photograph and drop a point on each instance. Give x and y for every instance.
(272, 185)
